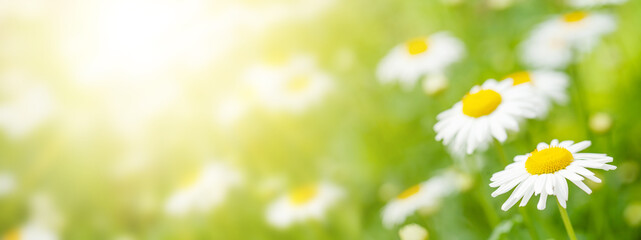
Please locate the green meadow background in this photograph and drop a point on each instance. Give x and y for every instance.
(374, 140)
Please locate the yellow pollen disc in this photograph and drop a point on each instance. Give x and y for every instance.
(303, 195)
(549, 160)
(574, 16)
(12, 235)
(416, 46)
(519, 77)
(409, 192)
(481, 103)
(298, 83)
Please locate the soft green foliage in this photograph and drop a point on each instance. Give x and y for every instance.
(374, 140)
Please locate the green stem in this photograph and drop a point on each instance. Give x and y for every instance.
(566, 222)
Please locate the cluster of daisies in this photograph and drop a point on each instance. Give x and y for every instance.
(488, 113)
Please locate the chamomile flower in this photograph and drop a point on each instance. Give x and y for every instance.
(486, 112)
(290, 86)
(594, 3)
(545, 170)
(548, 86)
(30, 232)
(208, 189)
(546, 51)
(409, 61)
(553, 43)
(425, 195)
(43, 223)
(307, 202)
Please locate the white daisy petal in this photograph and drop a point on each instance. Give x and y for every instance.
(547, 172)
(484, 114)
(409, 61)
(542, 200)
(428, 194)
(580, 146)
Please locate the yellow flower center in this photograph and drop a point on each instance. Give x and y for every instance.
(409, 192)
(574, 16)
(519, 77)
(298, 83)
(12, 235)
(481, 103)
(303, 195)
(416, 46)
(549, 160)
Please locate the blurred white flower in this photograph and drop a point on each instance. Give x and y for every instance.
(413, 232)
(43, 212)
(435, 83)
(552, 43)
(30, 232)
(290, 86)
(7, 183)
(548, 86)
(206, 191)
(43, 223)
(600, 122)
(409, 61)
(546, 50)
(486, 112)
(593, 3)
(307, 202)
(545, 172)
(26, 107)
(428, 194)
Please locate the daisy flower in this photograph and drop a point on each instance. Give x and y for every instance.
(552, 43)
(43, 223)
(207, 190)
(291, 86)
(425, 195)
(409, 61)
(593, 3)
(307, 202)
(548, 86)
(544, 172)
(486, 112)
(30, 232)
